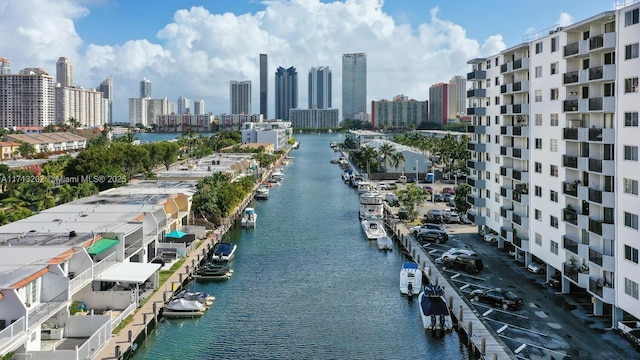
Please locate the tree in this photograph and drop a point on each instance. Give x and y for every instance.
(398, 160)
(386, 151)
(411, 197)
(461, 198)
(74, 123)
(26, 150)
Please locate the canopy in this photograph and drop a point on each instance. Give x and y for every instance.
(176, 234)
(101, 245)
(132, 272)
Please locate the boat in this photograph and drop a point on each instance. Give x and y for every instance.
(371, 205)
(385, 243)
(434, 310)
(273, 181)
(201, 297)
(296, 145)
(249, 218)
(183, 308)
(410, 278)
(373, 228)
(347, 175)
(223, 251)
(262, 192)
(364, 186)
(277, 174)
(213, 271)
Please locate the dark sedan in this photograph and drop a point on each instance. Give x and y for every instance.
(506, 299)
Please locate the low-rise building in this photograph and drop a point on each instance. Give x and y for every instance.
(47, 142)
(277, 133)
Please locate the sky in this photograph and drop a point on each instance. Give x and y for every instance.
(195, 48)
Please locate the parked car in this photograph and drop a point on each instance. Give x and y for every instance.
(425, 227)
(392, 199)
(448, 190)
(436, 236)
(453, 217)
(491, 238)
(465, 220)
(435, 216)
(392, 186)
(382, 185)
(452, 253)
(438, 197)
(470, 263)
(506, 299)
(428, 189)
(411, 179)
(535, 268)
(447, 197)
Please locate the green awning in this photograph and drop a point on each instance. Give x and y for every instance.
(101, 245)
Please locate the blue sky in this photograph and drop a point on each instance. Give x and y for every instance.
(193, 49)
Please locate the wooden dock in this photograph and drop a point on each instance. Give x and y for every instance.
(481, 338)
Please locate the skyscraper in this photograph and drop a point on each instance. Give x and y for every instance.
(457, 96)
(240, 97)
(64, 72)
(184, 105)
(5, 66)
(264, 84)
(354, 85)
(198, 107)
(145, 88)
(27, 98)
(320, 87)
(286, 91)
(106, 88)
(439, 103)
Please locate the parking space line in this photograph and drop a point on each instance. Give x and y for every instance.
(433, 251)
(487, 312)
(518, 327)
(455, 276)
(520, 348)
(464, 286)
(562, 354)
(503, 328)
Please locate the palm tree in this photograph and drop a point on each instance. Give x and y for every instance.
(368, 156)
(398, 160)
(26, 150)
(386, 151)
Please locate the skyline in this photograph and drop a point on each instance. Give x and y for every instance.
(195, 51)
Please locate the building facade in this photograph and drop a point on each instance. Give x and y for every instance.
(439, 103)
(315, 118)
(457, 97)
(146, 88)
(554, 155)
(198, 107)
(398, 114)
(145, 111)
(84, 105)
(183, 122)
(320, 87)
(64, 72)
(184, 105)
(106, 88)
(240, 97)
(354, 85)
(27, 98)
(236, 121)
(264, 85)
(286, 91)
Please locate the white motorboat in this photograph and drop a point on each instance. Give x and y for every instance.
(277, 174)
(262, 192)
(385, 243)
(373, 228)
(434, 310)
(249, 218)
(203, 298)
(223, 251)
(364, 186)
(371, 205)
(183, 308)
(213, 271)
(410, 278)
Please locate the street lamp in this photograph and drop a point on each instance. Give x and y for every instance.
(416, 171)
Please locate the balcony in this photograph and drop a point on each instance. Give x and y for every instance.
(505, 151)
(477, 75)
(521, 175)
(569, 161)
(477, 219)
(570, 272)
(570, 245)
(520, 197)
(482, 111)
(516, 65)
(477, 147)
(522, 244)
(477, 165)
(604, 167)
(477, 201)
(476, 129)
(601, 104)
(506, 213)
(606, 262)
(570, 188)
(602, 41)
(506, 172)
(600, 288)
(605, 135)
(570, 105)
(475, 183)
(577, 274)
(477, 93)
(570, 216)
(520, 153)
(505, 192)
(602, 228)
(570, 133)
(570, 77)
(604, 198)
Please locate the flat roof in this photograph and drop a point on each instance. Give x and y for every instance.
(131, 272)
(19, 262)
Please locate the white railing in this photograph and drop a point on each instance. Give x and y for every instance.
(104, 264)
(123, 315)
(10, 332)
(79, 281)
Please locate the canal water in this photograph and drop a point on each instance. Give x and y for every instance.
(306, 283)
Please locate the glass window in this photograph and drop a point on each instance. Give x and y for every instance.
(631, 51)
(555, 119)
(554, 170)
(631, 220)
(631, 253)
(538, 47)
(554, 68)
(630, 186)
(538, 143)
(538, 167)
(631, 119)
(538, 119)
(631, 85)
(553, 196)
(538, 95)
(538, 71)
(554, 245)
(553, 145)
(554, 94)
(554, 44)
(631, 153)
(631, 17)
(538, 191)
(538, 214)
(538, 238)
(631, 288)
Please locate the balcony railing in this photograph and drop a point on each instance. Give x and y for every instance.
(570, 105)
(570, 216)
(570, 134)
(595, 257)
(570, 188)
(595, 196)
(595, 165)
(595, 226)
(570, 245)
(595, 134)
(517, 218)
(477, 75)
(571, 49)
(596, 42)
(596, 73)
(570, 272)
(570, 77)
(570, 161)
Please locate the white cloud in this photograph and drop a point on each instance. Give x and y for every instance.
(199, 52)
(565, 19)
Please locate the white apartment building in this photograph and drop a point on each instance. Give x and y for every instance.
(27, 98)
(554, 154)
(84, 105)
(277, 133)
(315, 118)
(146, 110)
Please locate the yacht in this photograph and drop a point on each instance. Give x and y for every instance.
(434, 310)
(262, 192)
(385, 243)
(364, 186)
(373, 228)
(183, 308)
(277, 174)
(410, 278)
(249, 218)
(371, 205)
(223, 251)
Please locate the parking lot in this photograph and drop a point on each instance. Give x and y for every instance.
(549, 325)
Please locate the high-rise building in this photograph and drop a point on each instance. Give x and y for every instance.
(439, 103)
(457, 97)
(145, 110)
(559, 184)
(264, 84)
(286, 91)
(27, 99)
(184, 105)
(398, 114)
(240, 97)
(198, 107)
(106, 88)
(314, 118)
(64, 72)
(5, 66)
(145, 88)
(320, 87)
(83, 105)
(354, 85)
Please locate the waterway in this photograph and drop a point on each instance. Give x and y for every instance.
(306, 283)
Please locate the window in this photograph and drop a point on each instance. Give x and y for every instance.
(630, 186)
(497, 100)
(497, 81)
(610, 27)
(538, 167)
(553, 196)
(609, 89)
(631, 153)
(538, 191)
(538, 214)
(631, 220)
(497, 120)
(539, 47)
(631, 51)
(554, 94)
(538, 95)
(488, 83)
(538, 71)
(631, 288)
(538, 238)
(496, 197)
(554, 44)
(538, 120)
(497, 178)
(553, 145)
(497, 139)
(631, 119)
(609, 58)
(538, 143)
(631, 85)
(631, 254)
(554, 120)
(497, 161)
(554, 246)
(553, 170)
(488, 64)
(554, 68)
(631, 18)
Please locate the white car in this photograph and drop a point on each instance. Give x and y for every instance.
(535, 268)
(452, 253)
(453, 217)
(491, 238)
(383, 186)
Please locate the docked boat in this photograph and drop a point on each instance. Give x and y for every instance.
(371, 205)
(410, 278)
(364, 186)
(262, 192)
(249, 218)
(213, 271)
(385, 243)
(373, 228)
(434, 310)
(223, 251)
(277, 174)
(201, 297)
(183, 308)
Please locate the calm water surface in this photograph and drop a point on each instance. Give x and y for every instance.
(306, 283)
